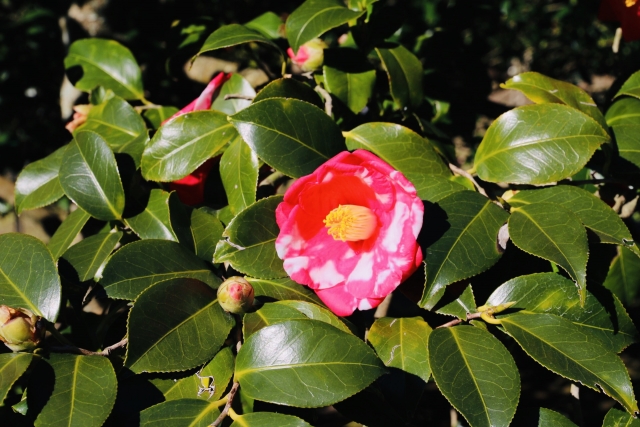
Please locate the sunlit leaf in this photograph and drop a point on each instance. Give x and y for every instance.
(38, 184)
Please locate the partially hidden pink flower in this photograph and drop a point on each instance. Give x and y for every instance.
(348, 231)
(190, 189)
(80, 114)
(310, 55)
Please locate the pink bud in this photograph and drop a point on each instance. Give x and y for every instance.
(310, 56)
(19, 329)
(235, 295)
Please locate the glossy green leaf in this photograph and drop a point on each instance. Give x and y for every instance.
(435, 188)
(268, 24)
(12, 366)
(592, 212)
(89, 176)
(625, 111)
(290, 135)
(404, 71)
(476, 373)
(315, 17)
(617, 418)
(28, 275)
(623, 278)
(220, 368)
(268, 419)
(402, 343)
(544, 90)
(562, 347)
(67, 231)
(89, 256)
(631, 87)
(84, 392)
(154, 222)
(552, 232)
(38, 184)
(232, 35)
(120, 126)
(206, 230)
(552, 293)
(468, 245)
(184, 143)
(166, 322)
(328, 365)
(628, 142)
(239, 173)
(269, 314)
(159, 114)
(463, 305)
(108, 64)
(402, 148)
(354, 89)
(236, 85)
(316, 312)
(549, 418)
(538, 144)
(283, 289)
(289, 88)
(249, 241)
(180, 413)
(140, 264)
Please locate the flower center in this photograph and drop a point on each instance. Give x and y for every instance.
(351, 223)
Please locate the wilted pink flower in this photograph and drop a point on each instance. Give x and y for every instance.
(79, 116)
(349, 230)
(310, 56)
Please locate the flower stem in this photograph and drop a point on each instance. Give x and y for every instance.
(227, 406)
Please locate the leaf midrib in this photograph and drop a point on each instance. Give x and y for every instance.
(299, 366)
(91, 62)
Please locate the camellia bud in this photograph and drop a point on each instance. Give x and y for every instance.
(235, 295)
(19, 329)
(79, 116)
(310, 56)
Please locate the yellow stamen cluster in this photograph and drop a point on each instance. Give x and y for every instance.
(351, 223)
(630, 3)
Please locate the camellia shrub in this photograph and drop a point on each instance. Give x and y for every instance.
(313, 243)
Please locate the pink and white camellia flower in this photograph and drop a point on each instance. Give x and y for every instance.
(348, 231)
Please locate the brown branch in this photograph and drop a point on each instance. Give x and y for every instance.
(460, 171)
(227, 406)
(77, 350)
(328, 103)
(470, 316)
(238, 96)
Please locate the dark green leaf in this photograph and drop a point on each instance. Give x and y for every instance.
(180, 413)
(28, 275)
(184, 143)
(154, 222)
(120, 126)
(139, 265)
(166, 323)
(328, 365)
(232, 35)
(354, 89)
(283, 289)
(553, 294)
(625, 111)
(239, 173)
(570, 351)
(12, 366)
(476, 374)
(631, 87)
(268, 419)
(623, 278)
(289, 88)
(67, 231)
(315, 312)
(108, 64)
(206, 230)
(315, 17)
(402, 343)
(89, 256)
(543, 90)
(84, 392)
(290, 135)
(549, 418)
(159, 114)
(249, 238)
(89, 176)
(552, 232)
(435, 188)
(538, 144)
(38, 184)
(268, 24)
(617, 418)
(628, 142)
(467, 247)
(236, 85)
(405, 76)
(269, 314)
(461, 306)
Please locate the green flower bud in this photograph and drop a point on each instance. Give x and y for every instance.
(19, 329)
(235, 295)
(310, 56)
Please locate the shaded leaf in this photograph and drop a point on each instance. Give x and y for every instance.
(268, 24)
(290, 135)
(354, 89)
(89, 176)
(327, 366)
(249, 238)
(549, 418)
(89, 256)
(404, 71)
(268, 419)
(108, 64)
(552, 232)
(476, 374)
(625, 111)
(631, 87)
(402, 343)
(206, 230)
(289, 88)
(468, 245)
(617, 418)
(269, 314)
(166, 323)
(12, 366)
(28, 275)
(435, 188)
(283, 289)
(67, 231)
(140, 264)
(236, 85)
(154, 222)
(38, 184)
(232, 35)
(562, 347)
(538, 144)
(180, 413)
(316, 312)
(159, 114)
(459, 308)
(628, 142)
(239, 173)
(623, 278)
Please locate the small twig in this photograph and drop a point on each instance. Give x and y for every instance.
(597, 181)
(575, 392)
(328, 104)
(77, 350)
(459, 171)
(238, 96)
(227, 406)
(383, 308)
(454, 322)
